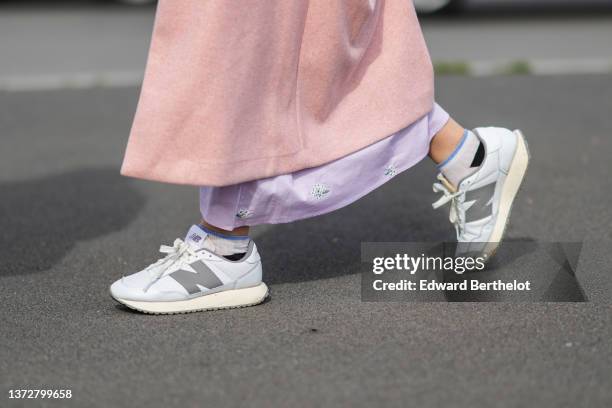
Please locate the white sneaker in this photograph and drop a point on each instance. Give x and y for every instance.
(190, 278)
(481, 204)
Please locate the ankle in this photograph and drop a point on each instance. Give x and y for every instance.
(223, 243)
(240, 231)
(446, 141)
(464, 160)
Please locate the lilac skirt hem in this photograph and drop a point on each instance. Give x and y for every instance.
(320, 190)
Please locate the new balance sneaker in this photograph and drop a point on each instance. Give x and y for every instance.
(480, 205)
(190, 278)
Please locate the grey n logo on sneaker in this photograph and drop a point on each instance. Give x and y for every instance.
(204, 276)
(481, 208)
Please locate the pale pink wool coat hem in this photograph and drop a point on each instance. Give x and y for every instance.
(238, 91)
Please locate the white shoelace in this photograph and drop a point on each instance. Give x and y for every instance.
(456, 216)
(180, 252)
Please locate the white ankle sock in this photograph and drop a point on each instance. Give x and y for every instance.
(223, 246)
(216, 242)
(464, 160)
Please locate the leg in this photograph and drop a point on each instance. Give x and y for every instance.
(457, 152)
(445, 141)
(229, 244)
(240, 231)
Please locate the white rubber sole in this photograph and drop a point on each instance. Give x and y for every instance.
(513, 182)
(228, 299)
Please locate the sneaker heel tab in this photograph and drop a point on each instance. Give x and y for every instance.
(252, 254)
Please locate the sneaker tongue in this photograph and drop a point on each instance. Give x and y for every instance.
(447, 183)
(195, 237)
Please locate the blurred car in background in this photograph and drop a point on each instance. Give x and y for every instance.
(136, 2)
(422, 6)
(436, 6)
(452, 6)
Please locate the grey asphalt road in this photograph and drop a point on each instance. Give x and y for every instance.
(70, 225)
